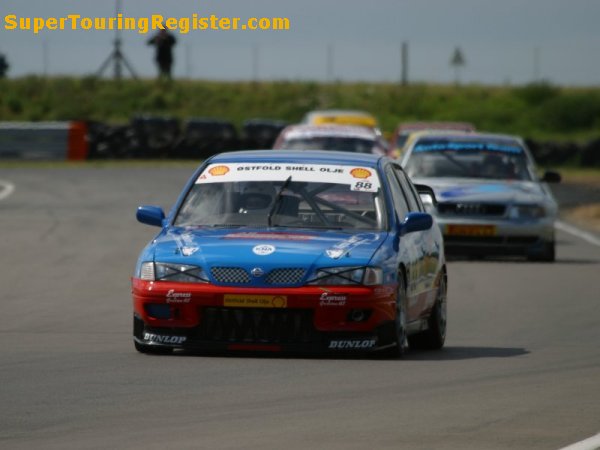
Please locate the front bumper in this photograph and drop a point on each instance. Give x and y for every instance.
(495, 236)
(306, 319)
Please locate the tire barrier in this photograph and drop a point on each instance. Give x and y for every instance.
(164, 137)
(153, 137)
(261, 133)
(44, 140)
(203, 137)
(548, 153)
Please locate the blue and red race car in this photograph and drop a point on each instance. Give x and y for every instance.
(308, 251)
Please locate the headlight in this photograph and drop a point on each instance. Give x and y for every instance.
(427, 201)
(526, 212)
(182, 273)
(367, 276)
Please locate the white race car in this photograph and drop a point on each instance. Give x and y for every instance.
(347, 138)
(490, 199)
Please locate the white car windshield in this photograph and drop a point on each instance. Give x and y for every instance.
(468, 159)
(285, 195)
(344, 144)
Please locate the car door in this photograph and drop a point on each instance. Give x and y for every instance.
(409, 247)
(426, 268)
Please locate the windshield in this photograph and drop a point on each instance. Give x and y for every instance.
(300, 196)
(468, 159)
(401, 140)
(343, 144)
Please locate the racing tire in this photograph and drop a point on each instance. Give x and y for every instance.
(400, 339)
(152, 349)
(547, 254)
(435, 336)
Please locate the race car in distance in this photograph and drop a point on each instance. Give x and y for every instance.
(490, 200)
(292, 251)
(403, 131)
(346, 138)
(340, 117)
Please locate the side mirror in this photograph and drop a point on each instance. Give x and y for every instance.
(551, 177)
(416, 221)
(150, 215)
(426, 193)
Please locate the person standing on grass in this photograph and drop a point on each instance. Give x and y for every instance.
(164, 43)
(3, 66)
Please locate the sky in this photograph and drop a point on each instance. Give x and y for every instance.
(503, 41)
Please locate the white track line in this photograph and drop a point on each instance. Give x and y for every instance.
(592, 443)
(6, 189)
(588, 237)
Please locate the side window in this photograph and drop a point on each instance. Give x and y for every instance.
(414, 202)
(417, 196)
(398, 197)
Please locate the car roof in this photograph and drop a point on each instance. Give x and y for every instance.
(339, 112)
(298, 157)
(363, 116)
(472, 136)
(308, 131)
(424, 125)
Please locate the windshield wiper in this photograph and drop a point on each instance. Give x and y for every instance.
(227, 225)
(463, 167)
(277, 198)
(309, 227)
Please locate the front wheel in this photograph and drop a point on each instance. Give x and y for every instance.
(400, 337)
(435, 336)
(546, 254)
(152, 349)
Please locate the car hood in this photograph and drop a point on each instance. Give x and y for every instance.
(250, 248)
(477, 190)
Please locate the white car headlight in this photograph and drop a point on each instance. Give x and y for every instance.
(368, 276)
(182, 273)
(427, 201)
(526, 212)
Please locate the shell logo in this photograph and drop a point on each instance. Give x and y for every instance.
(279, 302)
(218, 170)
(360, 173)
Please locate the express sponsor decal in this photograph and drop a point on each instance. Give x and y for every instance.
(178, 297)
(164, 339)
(329, 299)
(346, 344)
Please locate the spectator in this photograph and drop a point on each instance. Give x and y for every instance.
(3, 66)
(164, 43)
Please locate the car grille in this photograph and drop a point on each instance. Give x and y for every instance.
(230, 275)
(285, 276)
(471, 209)
(491, 240)
(257, 325)
(238, 275)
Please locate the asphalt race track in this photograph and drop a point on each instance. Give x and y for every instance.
(521, 369)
